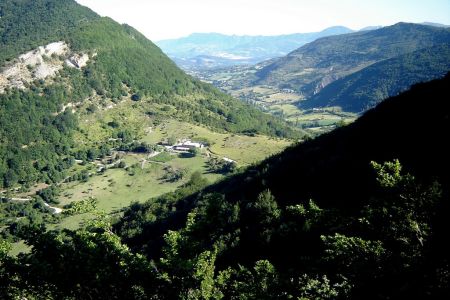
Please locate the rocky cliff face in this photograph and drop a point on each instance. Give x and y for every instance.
(40, 63)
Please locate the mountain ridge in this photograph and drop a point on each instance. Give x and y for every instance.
(332, 52)
(251, 49)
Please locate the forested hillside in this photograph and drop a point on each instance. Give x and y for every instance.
(356, 213)
(317, 64)
(25, 25)
(364, 206)
(366, 88)
(36, 128)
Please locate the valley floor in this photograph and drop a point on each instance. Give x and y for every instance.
(144, 176)
(279, 102)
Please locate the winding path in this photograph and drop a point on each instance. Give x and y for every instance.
(56, 210)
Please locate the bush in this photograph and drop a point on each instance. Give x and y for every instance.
(221, 166)
(136, 97)
(81, 207)
(173, 175)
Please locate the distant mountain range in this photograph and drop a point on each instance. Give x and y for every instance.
(211, 50)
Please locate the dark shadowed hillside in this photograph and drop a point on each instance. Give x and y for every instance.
(251, 215)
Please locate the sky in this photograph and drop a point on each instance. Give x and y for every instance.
(165, 19)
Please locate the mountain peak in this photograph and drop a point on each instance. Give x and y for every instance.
(368, 28)
(336, 30)
(435, 24)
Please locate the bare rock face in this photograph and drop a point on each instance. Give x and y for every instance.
(326, 80)
(58, 48)
(36, 56)
(77, 61)
(45, 70)
(32, 58)
(41, 63)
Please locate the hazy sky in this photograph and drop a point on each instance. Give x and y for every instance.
(162, 19)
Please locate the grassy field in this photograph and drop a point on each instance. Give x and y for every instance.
(19, 247)
(289, 111)
(118, 188)
(243, 149)
(143, 177)
(126, 114)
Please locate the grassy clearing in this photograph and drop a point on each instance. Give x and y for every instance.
(143, 178)
(243, 149)
(246, 150)
(19, 247)
(162, 157)
(288, 111)
(118, 188)
(127, 114)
